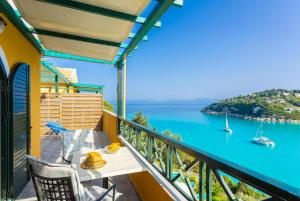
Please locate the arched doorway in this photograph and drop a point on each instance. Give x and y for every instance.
(15, 129)
(19, 125)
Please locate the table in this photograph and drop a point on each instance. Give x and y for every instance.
(123, 162)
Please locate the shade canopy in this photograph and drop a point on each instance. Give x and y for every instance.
(91, 29)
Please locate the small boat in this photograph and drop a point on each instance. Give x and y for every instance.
(262, 140)
(227, 129)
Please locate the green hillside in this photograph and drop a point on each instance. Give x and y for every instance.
(276, 104)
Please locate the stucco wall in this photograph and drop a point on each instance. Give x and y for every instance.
(18, 49)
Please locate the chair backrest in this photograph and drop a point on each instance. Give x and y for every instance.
(52, 181)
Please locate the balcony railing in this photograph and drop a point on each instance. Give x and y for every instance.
(195, 173)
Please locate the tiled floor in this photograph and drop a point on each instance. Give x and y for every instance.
(51, 151)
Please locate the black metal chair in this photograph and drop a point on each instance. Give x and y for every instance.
(59, 182)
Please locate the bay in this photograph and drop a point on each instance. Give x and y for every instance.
(206, 133)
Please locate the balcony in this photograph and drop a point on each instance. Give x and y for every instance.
(179, 171)
(100, 32)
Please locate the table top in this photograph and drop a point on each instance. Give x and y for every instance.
(123, 162)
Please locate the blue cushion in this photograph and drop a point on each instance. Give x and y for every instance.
(55, 127)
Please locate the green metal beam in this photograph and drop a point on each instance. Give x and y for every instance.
(133, 35)
(92, 9)
(80, 85)
(81, 38)
(78, 38)
(98, 10)
(56, 54)
(178, 3)
(142, 20)
(154, 16)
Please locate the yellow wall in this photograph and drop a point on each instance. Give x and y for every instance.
(146, 186)
(110, 123)
(50, 88)
(18, 49)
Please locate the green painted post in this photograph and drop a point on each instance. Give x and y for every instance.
(208, 184)
(149, 148)
(169, 162)
(201, 180)
(56, 84)
(138, 139)
(119, 92)
(68, 89)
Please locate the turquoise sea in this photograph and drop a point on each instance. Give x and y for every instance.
(206, 133)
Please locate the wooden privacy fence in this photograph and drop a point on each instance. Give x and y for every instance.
(73, 111)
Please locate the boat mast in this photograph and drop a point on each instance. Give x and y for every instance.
(227, 126)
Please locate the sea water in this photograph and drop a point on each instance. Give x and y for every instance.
(206, 133)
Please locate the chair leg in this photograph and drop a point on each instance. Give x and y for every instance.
(105, 182)
(114, 193)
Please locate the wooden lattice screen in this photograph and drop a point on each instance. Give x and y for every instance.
(73, 111)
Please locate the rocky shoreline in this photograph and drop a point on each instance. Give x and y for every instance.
(263, 119)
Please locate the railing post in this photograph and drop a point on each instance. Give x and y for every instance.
(169, 162)
(201, 180)
(149, 150)
(208, 184)
(138, 139)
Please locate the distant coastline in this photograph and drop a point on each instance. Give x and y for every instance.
(263, 119)
(275, 105)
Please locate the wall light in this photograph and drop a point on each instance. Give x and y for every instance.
(2, 25)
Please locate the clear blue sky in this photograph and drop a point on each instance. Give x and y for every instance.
(210, 49)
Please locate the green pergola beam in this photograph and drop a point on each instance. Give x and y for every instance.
(56, 54)
(133, 35)
(78, 38)
(89, 86)
(98, 10)
(81, 38)
(92, 9)
(154, 16)
(178, 3)
(142, 20)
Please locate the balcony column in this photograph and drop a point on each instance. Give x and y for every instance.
(121, 90)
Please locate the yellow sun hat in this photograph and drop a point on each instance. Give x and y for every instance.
(113, 148)
(93, 161)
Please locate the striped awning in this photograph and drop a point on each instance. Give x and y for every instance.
(96, 29)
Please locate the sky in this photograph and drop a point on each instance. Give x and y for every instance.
(209, 49)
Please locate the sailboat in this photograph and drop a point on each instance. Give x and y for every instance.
(227, 129)
(262, 140)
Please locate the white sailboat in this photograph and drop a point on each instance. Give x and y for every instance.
(262, 140)
(227, 129)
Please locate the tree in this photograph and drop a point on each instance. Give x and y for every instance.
(108, 106)
(172, 135)
(141, 119)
